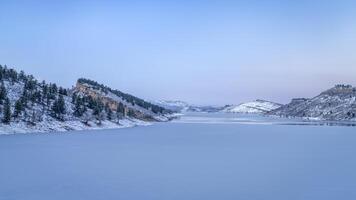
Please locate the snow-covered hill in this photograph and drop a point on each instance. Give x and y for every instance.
(337, 103)
(27, 105)
(258, 106)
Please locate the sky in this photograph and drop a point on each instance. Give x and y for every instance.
(202, 52)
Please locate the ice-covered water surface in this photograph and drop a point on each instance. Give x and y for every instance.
(236, 118)
(182, 161)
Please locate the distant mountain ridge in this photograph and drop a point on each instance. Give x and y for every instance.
(337, 103)
(184, 107)
(258, 106)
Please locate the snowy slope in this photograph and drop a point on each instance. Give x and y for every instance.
(46, 123)
(258, 106)
(337, 103)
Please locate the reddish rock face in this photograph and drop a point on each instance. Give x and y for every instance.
(85, 89)
(112, 104)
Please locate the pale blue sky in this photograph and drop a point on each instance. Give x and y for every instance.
(203, 52)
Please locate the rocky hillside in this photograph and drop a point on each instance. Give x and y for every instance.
(258, 106)
(337, 103)
(28, 105)
(118, 101)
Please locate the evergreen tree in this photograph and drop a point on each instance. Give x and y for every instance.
(35, 97)
(30, 84)
(62, 91)
(118, 116)
(91, 102)
(109, 114)
(54, 88)
(44, 92)
(131, 113)
(3, 93)
(1, 73)
(74, 98)
(108, 111)
(121, 109)
(25, 115)
(13, 76)
(48, 100)
(18, 108)
(98, 109)
(61, 105)
(7, 111)
(24, 98)
(52, 93)
(79, 107)
(58, 107)
(22, 76)
(33, 118)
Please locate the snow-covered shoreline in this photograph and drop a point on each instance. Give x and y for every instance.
(55, 126)
(51, 125)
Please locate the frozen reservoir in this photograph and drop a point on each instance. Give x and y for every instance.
(199, 157)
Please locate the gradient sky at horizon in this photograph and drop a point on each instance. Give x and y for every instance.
(203, 52)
